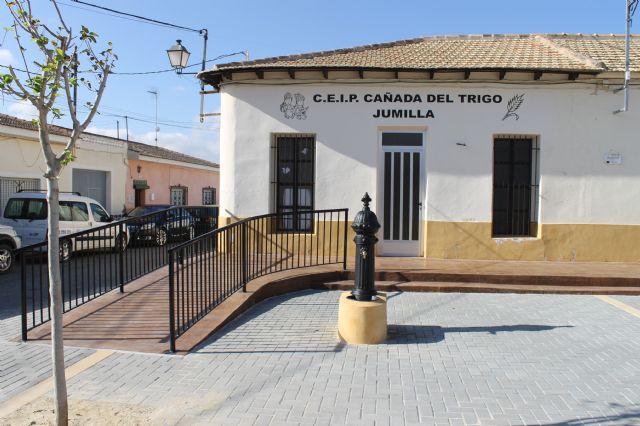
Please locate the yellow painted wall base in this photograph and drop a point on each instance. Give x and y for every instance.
(472, 240)
(362, 322)
(556, 242)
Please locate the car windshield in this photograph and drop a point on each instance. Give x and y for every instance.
(141, 211)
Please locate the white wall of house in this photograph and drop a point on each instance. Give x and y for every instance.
(574, 123)
(22, 158)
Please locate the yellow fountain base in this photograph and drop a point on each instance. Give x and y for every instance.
(362, 323)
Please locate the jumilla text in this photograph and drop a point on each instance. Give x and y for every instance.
(388, 97)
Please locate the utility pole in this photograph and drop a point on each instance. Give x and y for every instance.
(126, 121)
(118, 128)
(155, 92)
(75, 76)
(631, 8)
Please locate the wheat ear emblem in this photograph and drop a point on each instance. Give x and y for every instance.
(512, 106)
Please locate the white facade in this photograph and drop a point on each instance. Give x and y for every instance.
(22, 159)
(581, 142)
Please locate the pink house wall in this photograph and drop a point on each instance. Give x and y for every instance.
(160, 177)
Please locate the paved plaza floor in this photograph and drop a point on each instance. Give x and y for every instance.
(467, 359)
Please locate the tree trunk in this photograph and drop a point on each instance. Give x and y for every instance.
(55, 292)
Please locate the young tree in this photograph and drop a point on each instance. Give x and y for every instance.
(48, 79)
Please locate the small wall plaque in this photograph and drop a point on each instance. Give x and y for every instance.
(613, 158)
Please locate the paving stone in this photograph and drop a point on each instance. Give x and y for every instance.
(466, 359)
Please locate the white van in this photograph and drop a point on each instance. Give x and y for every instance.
(26, 212)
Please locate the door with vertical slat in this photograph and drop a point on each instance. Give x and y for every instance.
(401, 172)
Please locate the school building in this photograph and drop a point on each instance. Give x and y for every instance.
(471, 147)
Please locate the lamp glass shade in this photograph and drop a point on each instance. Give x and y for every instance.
(178, 55)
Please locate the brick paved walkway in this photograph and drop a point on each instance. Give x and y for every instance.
(451, 359)
(23, 365)
(493, 359)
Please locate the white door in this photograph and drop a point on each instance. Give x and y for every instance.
(401, 189)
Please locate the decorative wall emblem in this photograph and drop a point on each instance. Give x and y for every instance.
(294, 110)
(512, 106)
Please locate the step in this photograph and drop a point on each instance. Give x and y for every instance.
(542, 280)
(478, 287)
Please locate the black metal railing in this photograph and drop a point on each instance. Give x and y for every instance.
(207, 270)
(98, 260)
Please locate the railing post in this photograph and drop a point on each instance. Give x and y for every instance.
(172, 314)
(121, 235)
(244, 256)
(344, 243)
(23, 295)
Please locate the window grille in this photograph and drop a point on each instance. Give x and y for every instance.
(208, 196)
(10, 185)
(178, 195)
(293, 181)
(515, 186)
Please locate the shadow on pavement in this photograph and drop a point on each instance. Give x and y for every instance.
(630, 415)
(403, 334)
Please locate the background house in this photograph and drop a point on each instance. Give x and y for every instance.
(161, 176)
(119, 174)
(99, 170)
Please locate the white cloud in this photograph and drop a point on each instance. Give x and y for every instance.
(204, 145)
(24, 110)
(6, 57)
(197, 144)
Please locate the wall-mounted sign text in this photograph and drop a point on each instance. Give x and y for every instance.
(409, 105)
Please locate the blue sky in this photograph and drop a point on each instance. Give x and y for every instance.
(276, 28)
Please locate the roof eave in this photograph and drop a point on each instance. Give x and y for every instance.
(216, 76)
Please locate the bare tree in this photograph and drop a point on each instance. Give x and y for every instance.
(48, 79)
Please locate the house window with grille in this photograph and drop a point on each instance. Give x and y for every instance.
(208, 196)
(178, 195)
(11, 185)
(293, 181)
(515, 186)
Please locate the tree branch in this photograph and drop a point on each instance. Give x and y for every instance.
(70, 104)
(25, 93)
(21, 49)
(96, 102)
(64, 25)
(56, 78)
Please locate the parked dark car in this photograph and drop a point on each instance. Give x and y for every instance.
(163, 225)
(205, 217)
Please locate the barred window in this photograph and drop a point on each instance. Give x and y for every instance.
(178, 195)
(208, 196)
(293, 181)
(515, 186)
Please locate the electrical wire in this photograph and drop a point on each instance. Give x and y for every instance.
(101, 113)
(146, 72)
(159, 122)
(142, 18)
(188, 66)
(105, 14)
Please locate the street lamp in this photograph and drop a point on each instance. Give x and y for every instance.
(178, 56)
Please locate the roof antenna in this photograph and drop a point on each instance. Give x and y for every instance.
(631, 8)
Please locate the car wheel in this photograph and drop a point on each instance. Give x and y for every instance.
(121, 243)
(6, 258)
(65, 250)
(161, 237)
